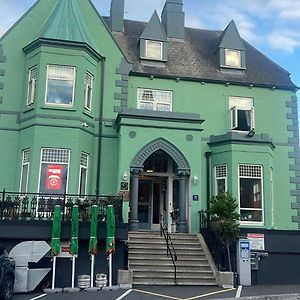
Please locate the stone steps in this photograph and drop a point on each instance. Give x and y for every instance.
(150, 264)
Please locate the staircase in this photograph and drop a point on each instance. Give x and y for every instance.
(151, 266)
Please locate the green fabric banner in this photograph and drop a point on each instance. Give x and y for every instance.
(93, 230)
(110, 229)
(56, 227)
(74, 231)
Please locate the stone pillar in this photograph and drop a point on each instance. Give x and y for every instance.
(182, 176)
(133, 203)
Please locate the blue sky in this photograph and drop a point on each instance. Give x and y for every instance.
(272, 26)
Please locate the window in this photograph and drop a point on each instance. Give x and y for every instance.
(251, 193)
(241, 113)
(60, 85)
(232, 58)
(154, 99)
(220, 179)
(25, 170)
(54, 170)
(88, 87)
(153, 50)
(31, 90)
(84, 160)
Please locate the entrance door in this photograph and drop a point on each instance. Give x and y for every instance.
(151, 203)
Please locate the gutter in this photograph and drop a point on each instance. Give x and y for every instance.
(97, 191)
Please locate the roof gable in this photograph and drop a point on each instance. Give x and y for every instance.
(154, 30)
(65, 23)
(231, 39)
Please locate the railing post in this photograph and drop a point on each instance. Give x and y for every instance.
(2, 203)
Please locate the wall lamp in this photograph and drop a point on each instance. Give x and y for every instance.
(125, 176)
(251, 133)
(195, 179)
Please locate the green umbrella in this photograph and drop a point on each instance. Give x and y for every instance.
(110, 229)
(74, 231)
(56, 226)
(93, 231)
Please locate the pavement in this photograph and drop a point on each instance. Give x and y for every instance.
(257, 292)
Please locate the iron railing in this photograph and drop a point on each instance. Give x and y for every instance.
(35, 206)
(170, 247)
(214, 245)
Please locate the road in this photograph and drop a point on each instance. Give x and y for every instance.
(163, 292)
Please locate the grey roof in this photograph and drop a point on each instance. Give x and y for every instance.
(196, 58)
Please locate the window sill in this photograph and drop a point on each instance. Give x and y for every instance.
(245, 223)
(50, 107)
(88, 113)
(29, 108)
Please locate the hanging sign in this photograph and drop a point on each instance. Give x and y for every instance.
(257, 241)
(54, 177)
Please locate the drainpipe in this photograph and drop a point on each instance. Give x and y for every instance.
(103, 59)
(208, 156)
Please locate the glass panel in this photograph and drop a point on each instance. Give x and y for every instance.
(221, 188)
(250, 193)
(24, 178)
(153, 49)
(243, 120)
(82, 183)
(143, 202)
(232, 58)
(251, 215)
(146, 105)
(156, 203)
(163, 107)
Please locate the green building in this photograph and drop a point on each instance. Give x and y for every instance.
(164, 115)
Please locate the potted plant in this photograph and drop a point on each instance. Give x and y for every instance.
(174, 216)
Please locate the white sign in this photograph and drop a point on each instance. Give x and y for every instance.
(257, 241)
(64, 250)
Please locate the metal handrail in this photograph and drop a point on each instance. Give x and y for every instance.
(170, 247)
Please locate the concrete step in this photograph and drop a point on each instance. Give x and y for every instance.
(170, 267)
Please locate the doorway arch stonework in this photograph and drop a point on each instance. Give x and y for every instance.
(136, 169)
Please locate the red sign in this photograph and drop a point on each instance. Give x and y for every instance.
(54, 177)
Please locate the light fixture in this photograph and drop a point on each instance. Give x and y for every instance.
(125, 176)
(151, 77)
(177, 79)
(195, 179)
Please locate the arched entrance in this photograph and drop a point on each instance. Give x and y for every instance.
(159, 174)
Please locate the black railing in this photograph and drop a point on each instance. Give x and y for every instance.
(170, 247)
(214, 244)
(35, 206)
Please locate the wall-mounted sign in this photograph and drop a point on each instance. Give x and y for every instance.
(257, 241)
(195, 197)
(124, 186)
(54, 177)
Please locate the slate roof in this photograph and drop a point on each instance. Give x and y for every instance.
(196, 58)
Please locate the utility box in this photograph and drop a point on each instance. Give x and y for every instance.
(244, 261)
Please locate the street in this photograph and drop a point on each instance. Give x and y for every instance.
(168, 292)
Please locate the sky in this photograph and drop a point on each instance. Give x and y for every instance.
(272, 26)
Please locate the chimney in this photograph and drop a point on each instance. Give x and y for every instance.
(172, 18)
(117, 15)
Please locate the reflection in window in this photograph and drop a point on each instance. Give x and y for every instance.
(220, 179)
(155, 99)
(25, 171)
(88, 87)
(31, 89)
(60, 85)
(153, 50)
(232, 58)
(251, 199)
(84, 159)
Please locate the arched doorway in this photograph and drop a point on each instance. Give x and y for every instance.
(159, 174)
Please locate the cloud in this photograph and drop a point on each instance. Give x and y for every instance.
(284, 41)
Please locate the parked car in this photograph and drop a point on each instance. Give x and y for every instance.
(7, 275)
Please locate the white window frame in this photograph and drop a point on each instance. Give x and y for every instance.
(261, 177)
(220, 177)
(88, 90)
(73, 90)
(25, 163)
(157, 98)
(227, 64)
(147, 50)
(31, 86)
(244, 104)
(83, 166)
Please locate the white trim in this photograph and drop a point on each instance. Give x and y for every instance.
(31, 85)
(216, 178)
(23, 164)
(86, 174)
(73, 90)
(242, 222)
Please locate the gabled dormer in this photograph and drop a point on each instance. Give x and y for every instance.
(153, 41)
(232, 51)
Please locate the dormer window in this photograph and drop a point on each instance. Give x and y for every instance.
(154, 50)
(232, 58)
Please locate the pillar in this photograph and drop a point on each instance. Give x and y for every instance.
(133, 203)
(182, 176)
